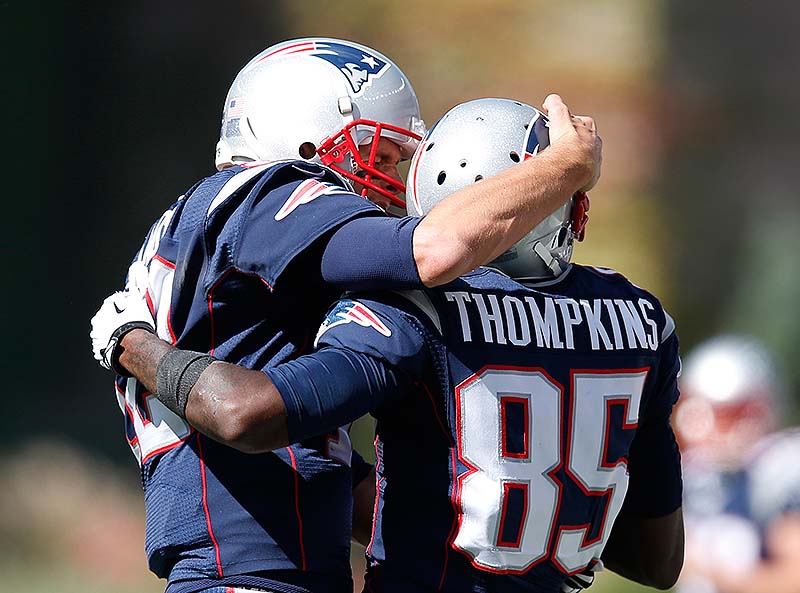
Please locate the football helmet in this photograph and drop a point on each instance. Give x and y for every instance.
(732, 394)
(478, 139)
(320, 99)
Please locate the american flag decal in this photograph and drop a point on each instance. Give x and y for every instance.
(236, 107)
(347, 311)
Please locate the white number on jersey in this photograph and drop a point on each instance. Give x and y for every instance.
(523, 477)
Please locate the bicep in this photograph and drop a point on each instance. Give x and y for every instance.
(654, 461)
(372, 253)
(654, 464)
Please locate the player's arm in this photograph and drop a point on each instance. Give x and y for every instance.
(234, 405)
(241, 408)
(363, 507)
(256, 411)
(480, 222)
(645, 549)
(647, 541)
(475, 224)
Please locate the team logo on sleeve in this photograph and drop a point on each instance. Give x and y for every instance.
(352, 312)
(359, 66)
(308, 190)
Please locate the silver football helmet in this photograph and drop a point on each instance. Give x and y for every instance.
(320, 99)
(479, 139)
(732, 394)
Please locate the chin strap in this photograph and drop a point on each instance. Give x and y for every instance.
(553, 263)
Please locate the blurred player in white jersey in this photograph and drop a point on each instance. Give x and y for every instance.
(741, 475)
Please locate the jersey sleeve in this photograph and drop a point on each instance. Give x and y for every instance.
(369, 354)
(285, 212)
(372, 253)
(654, 462)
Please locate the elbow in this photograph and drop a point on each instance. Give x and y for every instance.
(663, 582)
(239, 408)
(663, 575)
(242, 428)
(440, 258)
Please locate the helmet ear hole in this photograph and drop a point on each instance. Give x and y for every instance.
(307, 150)
(442, 176)
(514, 156)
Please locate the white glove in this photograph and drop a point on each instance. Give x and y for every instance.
(119, 314)
(582, 580)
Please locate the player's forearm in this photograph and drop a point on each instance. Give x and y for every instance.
(647, 551)
(234, 405)
(141, 352)
(363, 508)
(480, 222)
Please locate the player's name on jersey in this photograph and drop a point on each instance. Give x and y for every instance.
(552, 322)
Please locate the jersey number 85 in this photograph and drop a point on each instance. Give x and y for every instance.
(510, 423)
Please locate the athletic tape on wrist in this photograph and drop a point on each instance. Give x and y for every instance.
(177, 372)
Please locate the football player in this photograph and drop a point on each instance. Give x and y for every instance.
(522, 409)
(742, 478)
(244, 265)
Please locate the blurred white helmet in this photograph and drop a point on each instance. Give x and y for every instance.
(479, 139)
(732, 394)
(320, 99)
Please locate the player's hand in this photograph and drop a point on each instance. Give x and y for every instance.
(577, 133)
(120, 313)
(582, 580)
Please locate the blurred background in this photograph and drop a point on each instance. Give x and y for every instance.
(114, 111)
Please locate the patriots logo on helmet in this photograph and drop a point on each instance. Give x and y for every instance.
(360, 67)
(538, 136)
(347, 311)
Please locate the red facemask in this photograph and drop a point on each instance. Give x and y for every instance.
(335, 149)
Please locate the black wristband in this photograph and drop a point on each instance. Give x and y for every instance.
(115, 350)
(177, 372)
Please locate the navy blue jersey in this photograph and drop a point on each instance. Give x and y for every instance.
(511, 423)
(234, 270)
